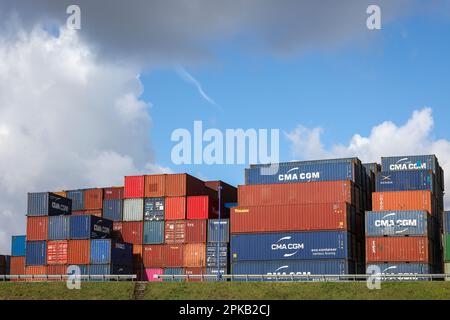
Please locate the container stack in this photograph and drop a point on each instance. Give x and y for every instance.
(446, 242)
(305, 219)
(165, 217)
(403, 232)
(18, 253)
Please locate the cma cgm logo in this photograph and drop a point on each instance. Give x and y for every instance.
(386, 180)
(284, 244)
(389, 221)
(59, 206)
(282, 271)
(406, 164)
(100, 228)
(292, 175)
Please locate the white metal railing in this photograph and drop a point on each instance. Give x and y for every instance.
(47, 278)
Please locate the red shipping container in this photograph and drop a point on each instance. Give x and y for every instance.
(134, 187)
(152, 255)
(57, 270)
(132, 232)
(195, 271)
(194, 255)
(196, 231)
(113, 193)
(117, 230)
(137, 257)
(172, 256)
(79, 252)
(402, 200)
(97, 213)
(295, 217)
(175, 208)
(35, 270)
(155, 185)
(79, 213)
(93, 199)
(296, 193)
(175, 232)
(17, 266)
(228, 193)
(180, 185)
(37, 228)
(57, 252)
(398, 249)
(202, 207)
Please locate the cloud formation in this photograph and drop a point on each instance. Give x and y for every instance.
(415, 137)
(67, 120)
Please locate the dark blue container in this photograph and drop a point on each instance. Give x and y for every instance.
(291, 246)
(298, 172)
(112, 209)
(447, 221)
(154, 209)
(59, 228)
(48, 204)
(398, 223)
(372, 167)
(107, 251)
(175, 272)
(294, 267)
(211, 255)
(36, 253)
(18, 246)
(153, 232)
(412, 269)
(219, 231)
(108, 269)
(90, 227)
(77, 197)
(404, 181)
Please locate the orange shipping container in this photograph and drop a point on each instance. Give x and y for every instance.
(57, 270)
(195, 271)
(155, 185)
(17, 267)
(172, 256)
(137, 257)
(97, 213)
(37, 228)
(57, 252)
(296, 193)
(78, 252)
(175, 208)
(61, 193)
(93, 199)
(117, 230)
(194, 255)
(398, 249)
(402, 200)
(152, 255)
(35, 271)
(180, 185)
(196, 231)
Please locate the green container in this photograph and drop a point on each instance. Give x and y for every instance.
(447, 247)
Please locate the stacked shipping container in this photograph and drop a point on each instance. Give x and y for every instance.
(403, 233)
(446, 242)
(304, 219)
(18, 253)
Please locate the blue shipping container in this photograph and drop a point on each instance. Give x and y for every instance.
(174, 272)
(59, 228)
(107, 269)
(291, 246)
(398, 223)
(18, 246)
(45, 203)
(404, 181)
(77, 197)
(154, 209)
(294, 267)
(90, 227)
(447, 221)
(112, 209)
(219, 232)
(36, 253)
(303, 173)
(211, 255)
(107, 251)
(412, 269)
(153, 232)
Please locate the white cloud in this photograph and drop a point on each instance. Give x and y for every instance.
(67, 120)
(386, 139)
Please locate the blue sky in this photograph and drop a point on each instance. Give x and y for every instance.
(346, 90)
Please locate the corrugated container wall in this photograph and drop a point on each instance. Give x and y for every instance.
(296, 193)
(18, 246)
(404, 268)
(113, 193)
(37, 228)
(447, 222)
(77, 197)
(132, 232)
(402, 200)
(175, 208)
(181, 185)
(172, 256)
(153, 232)
(202, 207)
(218, 231)
(321, 216)
(93, 199)
(36, 253)
(196, 231)
(90, 227)
(152, 255)
(405, 181)
(17, 266)
(57, 252)
(398, 249)
(398, 223)
(175, 232)
(44, 203)
(211, 255)
(59, 228)
(133, 210)
(194, 255)
(155, 185)
(112, 209)
(79, 252)
(152, 273)
(134, 187)
(154, 209)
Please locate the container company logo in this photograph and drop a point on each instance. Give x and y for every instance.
(406, 164)
(60, 207)
(102, 229)
(282, 271)
(285, 244)
(385, 180)
(389, 221)
(294, 175)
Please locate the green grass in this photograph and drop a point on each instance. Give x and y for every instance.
(229, 291)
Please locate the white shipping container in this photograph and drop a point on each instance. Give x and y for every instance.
(133, 209)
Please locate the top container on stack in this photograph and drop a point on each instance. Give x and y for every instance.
(324, 197)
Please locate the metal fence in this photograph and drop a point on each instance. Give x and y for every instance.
(48, 278)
